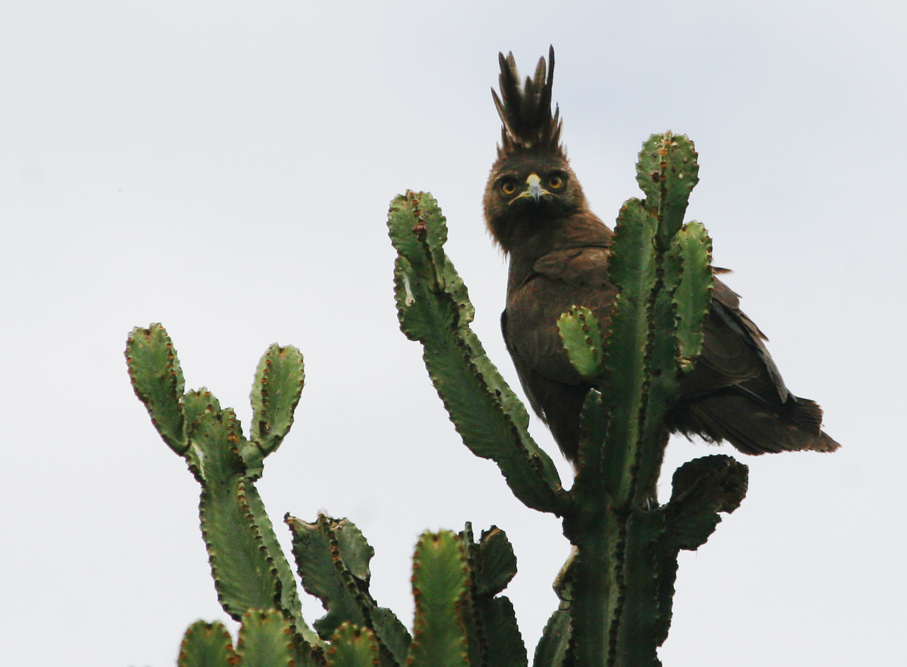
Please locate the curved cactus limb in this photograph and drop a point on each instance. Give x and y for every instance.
(667, 172)
(275, 394)
(157, 379)
(433, 308)
(332, 557)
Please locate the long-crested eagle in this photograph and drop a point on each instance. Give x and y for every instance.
(558, 249)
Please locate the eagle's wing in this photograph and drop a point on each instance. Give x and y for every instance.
(558, 281)
(735, 392)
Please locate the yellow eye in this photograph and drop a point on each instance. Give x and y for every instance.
(508, 187)
(555, 182)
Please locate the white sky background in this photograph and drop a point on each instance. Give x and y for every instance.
(225, 168)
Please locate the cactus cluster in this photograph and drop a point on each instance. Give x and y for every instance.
(616, 589)
(456, 580)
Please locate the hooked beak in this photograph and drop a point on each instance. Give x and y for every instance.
(533, 189)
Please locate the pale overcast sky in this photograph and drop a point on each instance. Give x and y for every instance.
(225, 168)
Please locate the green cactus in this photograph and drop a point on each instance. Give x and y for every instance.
(494, 638)
(433, 308)
(353, 646)
(616, 589)
(456, 582)
(206, 645)
(248, 566)
(332, 558)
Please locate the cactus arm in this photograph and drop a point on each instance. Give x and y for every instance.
(352, 646)
(265, 640)
(582, 337)
(206, 645)
(278, 385)
(433, 308)
(158, 382)
(249, 568)
(495, 562)
(701, 489)
(440, 586)
(332, 558)
(667, 172)
(632, 270)
(694, 291)
(493, 635)
(325, 575)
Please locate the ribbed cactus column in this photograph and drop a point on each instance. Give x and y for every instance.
(623, 571)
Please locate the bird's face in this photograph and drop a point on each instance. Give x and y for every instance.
(526, 194)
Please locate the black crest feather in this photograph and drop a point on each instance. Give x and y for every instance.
(526, 112)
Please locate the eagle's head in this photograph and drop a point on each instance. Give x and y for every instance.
(531, 185)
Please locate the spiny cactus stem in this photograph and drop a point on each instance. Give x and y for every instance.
(598, 571)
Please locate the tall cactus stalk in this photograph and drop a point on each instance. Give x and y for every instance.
(616, 589)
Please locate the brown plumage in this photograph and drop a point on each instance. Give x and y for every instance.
(536, 211)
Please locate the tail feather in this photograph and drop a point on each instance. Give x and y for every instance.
(806, 414)
(754, 429)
